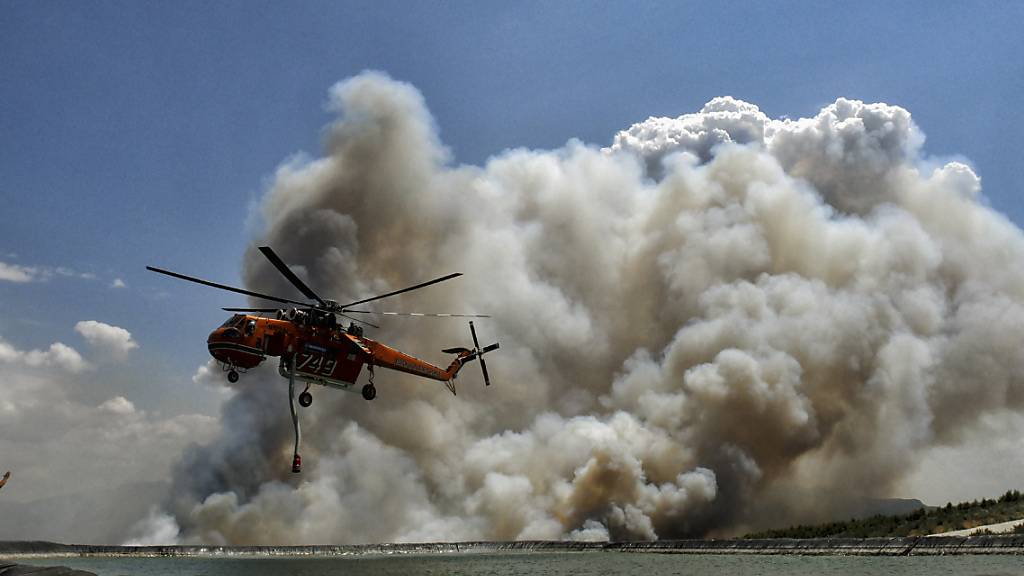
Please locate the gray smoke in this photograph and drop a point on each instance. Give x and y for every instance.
(722, 321)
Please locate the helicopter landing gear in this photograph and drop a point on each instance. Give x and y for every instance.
(369, 392)
(305, 399)
(232, 376)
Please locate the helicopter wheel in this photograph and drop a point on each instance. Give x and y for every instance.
(305, 399)
(369, 392)
(232, 376)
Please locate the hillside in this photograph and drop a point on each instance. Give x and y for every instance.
(1009, 506)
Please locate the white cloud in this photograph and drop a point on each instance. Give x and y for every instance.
(118, 283)
(20, 274)
(66, 428)
(58, 355)
(59, 435)
(71, 273)
(113, 339)
(202, 375)
(24, 274)
(210, 375)
(118, 405)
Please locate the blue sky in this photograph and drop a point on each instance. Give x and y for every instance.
(136, 133)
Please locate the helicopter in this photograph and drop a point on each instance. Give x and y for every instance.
(315, 348)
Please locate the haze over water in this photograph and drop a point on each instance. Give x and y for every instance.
(548, 564)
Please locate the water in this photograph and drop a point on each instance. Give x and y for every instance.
(598, 563)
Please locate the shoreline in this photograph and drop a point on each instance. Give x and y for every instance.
(897, 546)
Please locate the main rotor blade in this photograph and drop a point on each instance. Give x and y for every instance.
(437, 315)
(225, 287)
(250, 309)
(371, 324)
(287, 273)
(409, 289)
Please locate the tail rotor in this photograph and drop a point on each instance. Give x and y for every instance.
(478, 353)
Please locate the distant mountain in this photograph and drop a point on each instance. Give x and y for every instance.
(889, 506)
(97, 517)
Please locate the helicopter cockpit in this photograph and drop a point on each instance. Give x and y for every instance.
(231, 328)
(235, 321)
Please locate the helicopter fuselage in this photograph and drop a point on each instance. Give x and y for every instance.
(323, 353)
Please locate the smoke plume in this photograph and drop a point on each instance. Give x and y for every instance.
(721, 321)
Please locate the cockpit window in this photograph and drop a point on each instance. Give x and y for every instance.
(234, 320)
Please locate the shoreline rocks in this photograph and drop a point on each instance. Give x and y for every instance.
(7, 569)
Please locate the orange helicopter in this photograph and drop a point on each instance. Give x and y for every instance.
(315, 348)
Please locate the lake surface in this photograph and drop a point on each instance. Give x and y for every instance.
(597, 563)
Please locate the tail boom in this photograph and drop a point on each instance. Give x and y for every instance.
(387, 357)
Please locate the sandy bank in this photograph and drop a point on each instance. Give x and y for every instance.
(1000, 528)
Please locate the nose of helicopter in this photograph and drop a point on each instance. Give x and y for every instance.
(227, 344)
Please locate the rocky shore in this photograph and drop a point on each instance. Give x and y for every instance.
(939, 545)
(7, 569)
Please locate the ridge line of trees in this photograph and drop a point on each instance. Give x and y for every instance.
(921, 522)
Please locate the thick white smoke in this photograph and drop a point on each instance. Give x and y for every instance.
(703, 327)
